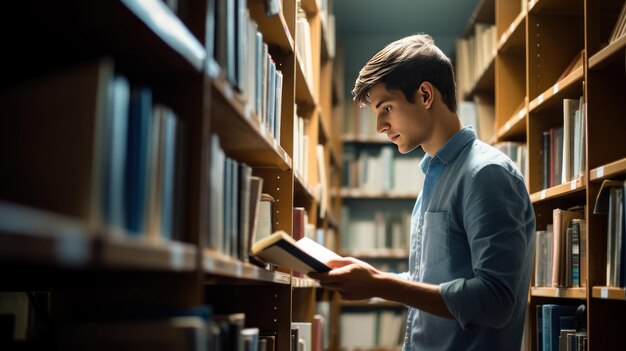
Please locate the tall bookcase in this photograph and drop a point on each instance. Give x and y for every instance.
(537, 44)
(58, 229)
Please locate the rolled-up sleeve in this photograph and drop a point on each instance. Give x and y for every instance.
(496, 219)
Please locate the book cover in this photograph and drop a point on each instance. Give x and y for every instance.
(304, 255)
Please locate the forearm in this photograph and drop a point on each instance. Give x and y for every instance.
(425, 297)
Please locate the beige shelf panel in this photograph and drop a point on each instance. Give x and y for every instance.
(568, 293)
(576, 185)
(555, 94)
(514, 127)
(513, 39)
(613, 169)
(218, 265)
(564, 7)
(609, 293)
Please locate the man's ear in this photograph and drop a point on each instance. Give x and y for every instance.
(426, 94)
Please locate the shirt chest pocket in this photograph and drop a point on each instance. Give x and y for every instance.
(436, 240)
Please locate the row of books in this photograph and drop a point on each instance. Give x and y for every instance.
(474, 54)
(481, 115)
(116, 161)
(247, 63)
(235, 201)
(610, 202)
(516, 151)
(385, 231)
(360, 122)
(381, 169)
(376, 329)
(561, 327)
(563, 146)
(560, 251)
(303, 42)
(301, 146)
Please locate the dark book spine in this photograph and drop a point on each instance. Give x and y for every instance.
(545, 153)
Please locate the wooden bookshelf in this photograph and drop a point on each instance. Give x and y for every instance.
(608, 171)
(609, 293)
(217, 265)
(515, 127)
(513, 38)
(274, 28)
(554, 95)
(566, 293)
(573, 186)
(610, 53)
(297, 282)
(485, 81)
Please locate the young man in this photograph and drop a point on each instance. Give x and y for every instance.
(472, 228)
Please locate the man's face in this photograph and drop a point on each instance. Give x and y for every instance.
(406, 124)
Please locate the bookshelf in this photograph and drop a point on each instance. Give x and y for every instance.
(549, 51)
(61, 232)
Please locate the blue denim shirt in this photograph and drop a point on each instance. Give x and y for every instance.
(472, 233)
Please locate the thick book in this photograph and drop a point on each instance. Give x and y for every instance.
(304, 255)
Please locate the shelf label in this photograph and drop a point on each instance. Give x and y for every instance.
(238, 269)
(228, 91)
(572, 185)
(604, 293)
(512, 28)
(209, 264)
(559, 292)
(177, 256)
(507, 126)
(542, 195)
(600, 172)
(72, 248)
(521, 113)
(540, 99)
(247, 111)
(275, 145)
(555, 89)
(262, 129)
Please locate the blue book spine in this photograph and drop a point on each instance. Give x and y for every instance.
(139, 127)
(115, 151)
(167, 205)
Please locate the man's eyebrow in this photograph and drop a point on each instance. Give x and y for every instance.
(382, 101)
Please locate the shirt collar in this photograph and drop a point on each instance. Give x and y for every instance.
(451, 148)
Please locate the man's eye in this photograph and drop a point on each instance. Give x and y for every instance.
(387, 108)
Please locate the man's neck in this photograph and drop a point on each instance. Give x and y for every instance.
(448, 124)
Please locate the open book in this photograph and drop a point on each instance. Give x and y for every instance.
(304, 255)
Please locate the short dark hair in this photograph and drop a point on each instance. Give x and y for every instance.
(405, 64)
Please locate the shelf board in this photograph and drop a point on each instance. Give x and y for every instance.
(555, 94)
(260, 148)
(327, 53)
(568, 293)
(33, 236)
(607, 54)
(365, 139)
(513, 39)
(485, 81)
(361, 194)
(374, 302)
(274, 28)
(217, 264)
(377, 254)
(167, 26)
(304, 282)
(560, 7)
(515, 127)
(576, 185)
(301, 187)
(305, 96)
(613, 169)
(609, 293)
